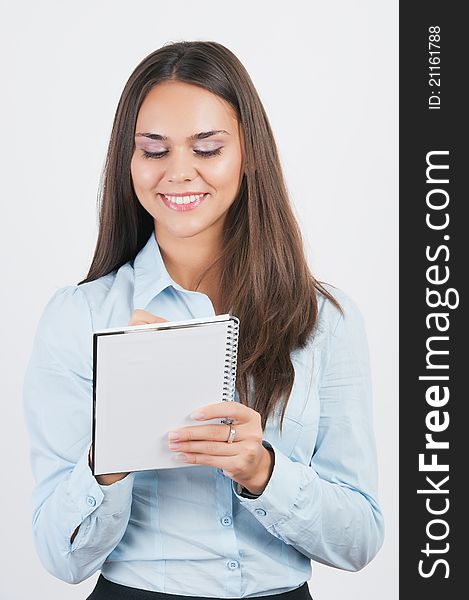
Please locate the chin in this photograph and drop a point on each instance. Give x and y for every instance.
(181, 232)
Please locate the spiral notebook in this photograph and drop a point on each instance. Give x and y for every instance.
(148, 379)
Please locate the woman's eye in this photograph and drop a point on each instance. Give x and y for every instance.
(208, 152)
(202, 153)
(147, 154)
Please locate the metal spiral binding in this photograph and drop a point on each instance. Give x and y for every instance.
(231, 363)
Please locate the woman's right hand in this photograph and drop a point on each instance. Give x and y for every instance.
(138, 317)
(105, 479)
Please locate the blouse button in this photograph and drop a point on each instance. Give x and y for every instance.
(260, 511)
(232, 564)
(225, 521)
(90, 500)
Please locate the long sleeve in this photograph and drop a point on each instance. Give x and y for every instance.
(57, 400)
(328, 510)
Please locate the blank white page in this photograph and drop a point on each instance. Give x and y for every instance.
(148, 382)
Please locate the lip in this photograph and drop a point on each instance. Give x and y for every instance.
(182, 207)
(184, 194)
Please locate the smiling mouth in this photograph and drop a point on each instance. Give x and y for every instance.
(183, 203)
(184, 199)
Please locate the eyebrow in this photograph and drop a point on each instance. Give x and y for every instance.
(196, 136)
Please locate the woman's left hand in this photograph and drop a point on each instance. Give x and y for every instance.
(245, 460)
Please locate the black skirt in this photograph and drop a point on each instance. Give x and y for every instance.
(107, 590)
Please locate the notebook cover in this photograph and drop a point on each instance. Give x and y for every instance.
(156, 375)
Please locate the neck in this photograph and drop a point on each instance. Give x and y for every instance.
(186, 258)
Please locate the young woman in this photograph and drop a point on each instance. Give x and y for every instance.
(195, 220)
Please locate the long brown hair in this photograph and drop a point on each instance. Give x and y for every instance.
(265, 280)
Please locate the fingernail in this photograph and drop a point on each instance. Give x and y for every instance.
(181, 457)
(197, 415)
(173, 435)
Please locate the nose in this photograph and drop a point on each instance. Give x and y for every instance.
(180, 166)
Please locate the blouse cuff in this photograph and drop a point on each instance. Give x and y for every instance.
(278, 498)
(88, 495)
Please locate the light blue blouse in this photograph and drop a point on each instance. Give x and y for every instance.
(187, 530)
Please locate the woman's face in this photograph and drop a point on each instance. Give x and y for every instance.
(187, 141)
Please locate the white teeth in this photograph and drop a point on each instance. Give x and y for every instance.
(183, 199)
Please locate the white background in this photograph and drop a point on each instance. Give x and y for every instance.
(327, 75)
